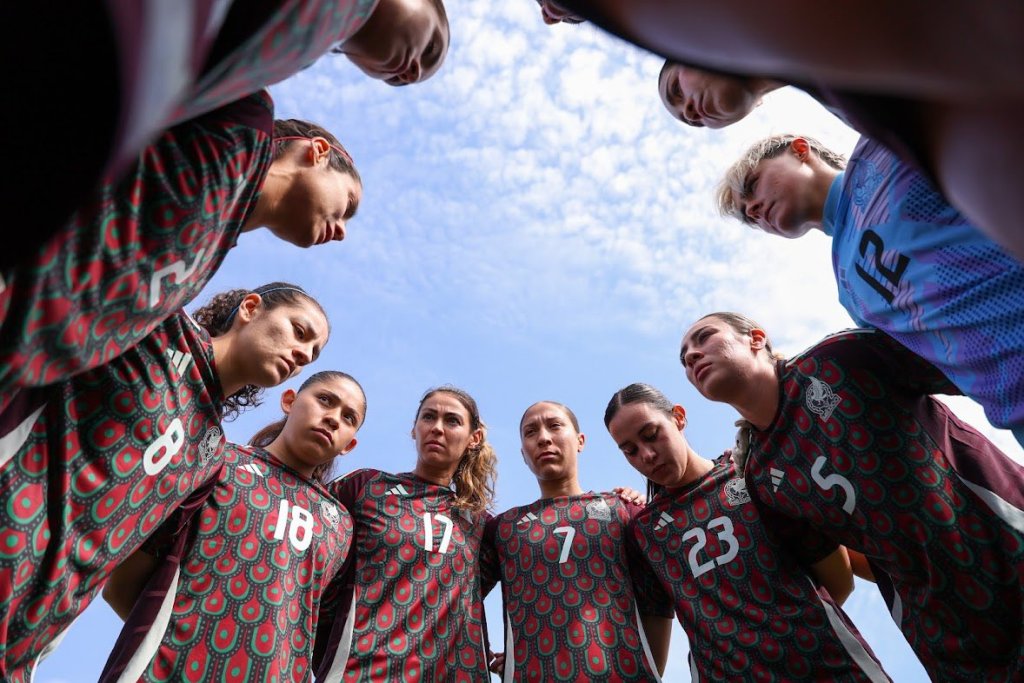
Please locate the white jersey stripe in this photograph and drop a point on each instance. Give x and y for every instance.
(510, 652)
(1004, 510)
(646, 645)
(852, 644)
(337, 669)
(13, 441)
(151, 643)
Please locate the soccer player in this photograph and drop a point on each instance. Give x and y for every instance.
(235, 590)
(845, 437)
(143, 69)
(572, 613)
(759, 599)
(952, 113)
(90, 467)
(146, 245)
(906, 262)
(703, 98)
(409, 607)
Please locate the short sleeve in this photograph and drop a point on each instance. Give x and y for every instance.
(490, 565)
(651, 597)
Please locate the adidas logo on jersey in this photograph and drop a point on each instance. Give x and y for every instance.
(253, 469)
(398, 491)
(821, 400)
(777, 477)
(527, 518)
(599, 510)
(663, 521)
(179, 360)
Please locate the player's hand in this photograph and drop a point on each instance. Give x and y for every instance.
(630, 495)
(497, 665)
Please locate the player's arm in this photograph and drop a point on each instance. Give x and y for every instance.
(835, 574)
(860, 565)
(127, 582)
(659, 635)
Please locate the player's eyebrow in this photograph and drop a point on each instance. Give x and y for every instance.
(353, 205)
(686, 344)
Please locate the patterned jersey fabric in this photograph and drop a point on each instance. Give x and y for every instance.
(243, 599)
(89, 468)
(910, 265)
(265, 42)
(409, 607)
(141, 249)
(861, 452)
(748, 605)
(572, 613)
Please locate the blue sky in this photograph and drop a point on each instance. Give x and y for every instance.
(534, 226)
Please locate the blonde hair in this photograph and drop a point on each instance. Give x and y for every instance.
(477, 473)
(733, 190)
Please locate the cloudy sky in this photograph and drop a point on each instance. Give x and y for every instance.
(534, 226)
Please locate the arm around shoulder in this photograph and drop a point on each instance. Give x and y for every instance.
(835, 574)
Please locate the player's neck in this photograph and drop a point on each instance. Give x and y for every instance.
(560, 487)
(442, 476)
(228, 375)
(758, 401)
(265, 211)
(279, 451)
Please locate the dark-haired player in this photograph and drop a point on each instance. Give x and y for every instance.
(846, 438)
(235, 591)
(572, 612)
(758, 599)
(145, 246)
(90, 467)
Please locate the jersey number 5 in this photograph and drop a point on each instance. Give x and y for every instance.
(726, 537)
(832, 481)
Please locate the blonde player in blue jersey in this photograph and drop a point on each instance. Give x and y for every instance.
(232, 590)
(90, 467)
(906, 262)
(847, 439)
(757, 595)
(573, 612)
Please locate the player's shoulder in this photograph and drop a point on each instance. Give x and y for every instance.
(849, 343)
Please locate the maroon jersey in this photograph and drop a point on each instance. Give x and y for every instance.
(861, 452)
(142, 248)
(241, 605)
(89, 468)
(571, 611)
(409, 608)
(264, 42)
(741, 589)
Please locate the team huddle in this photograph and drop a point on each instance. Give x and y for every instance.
(246, 562)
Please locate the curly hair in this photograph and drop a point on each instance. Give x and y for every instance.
(340, 160)
(477, 471)
(218, 314)
(266, 436)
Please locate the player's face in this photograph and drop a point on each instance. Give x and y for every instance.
(653, 442)
(274, 344)
(318, 202)
(718, 361)
(704, 98)
(443, 431)
(322, 420)
(778, 196)
(550, 443)
(553, 13)
(403, 42)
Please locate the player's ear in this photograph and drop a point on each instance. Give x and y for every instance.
(679, 416)
(582, 439)
(287, 399)
(248, 305)
(801, 148)
(348, 448)
(758, 338)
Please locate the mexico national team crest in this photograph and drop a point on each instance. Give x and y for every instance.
(736, 493)
(821, 400)
(330, 513)
(599, 510)
(209, 445)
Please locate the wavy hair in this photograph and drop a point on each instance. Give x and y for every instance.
(477, 472)
(218, 314)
